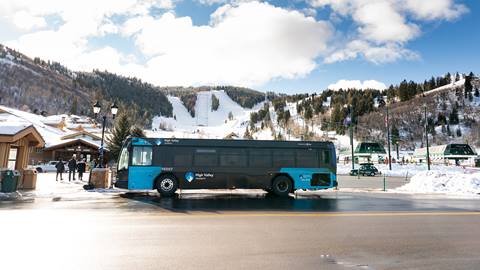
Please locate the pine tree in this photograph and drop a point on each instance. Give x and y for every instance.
(395, 134)
(453, 119)
(457, 77)
(477, 92)
(120, 133)
(468, 85)
(459, 132)
(137, 132)
(74, 108)
(215, 103)
(247, 134)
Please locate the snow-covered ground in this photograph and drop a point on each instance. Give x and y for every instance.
(443, 182)
(48, 187)
(408, 170)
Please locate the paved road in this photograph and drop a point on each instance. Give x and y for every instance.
(330, 230)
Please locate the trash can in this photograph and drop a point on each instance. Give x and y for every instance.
(99, 178)
(10, 180)
(29, 179)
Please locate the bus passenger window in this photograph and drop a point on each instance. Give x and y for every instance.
(326, 156)
(142, 156)
(233, 158)
(260, 158)
(307, 158)
(205, 157)
(182, 158)
(284, 158)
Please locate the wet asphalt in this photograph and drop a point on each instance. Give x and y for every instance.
(243, 230)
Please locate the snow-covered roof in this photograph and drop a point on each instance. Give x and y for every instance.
(50, 134)
(11, 125)
(85, 140)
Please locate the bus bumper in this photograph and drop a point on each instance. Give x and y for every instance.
(121, 184)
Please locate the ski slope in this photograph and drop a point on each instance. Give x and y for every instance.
(206, 123)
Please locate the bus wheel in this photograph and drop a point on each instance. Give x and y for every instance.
(166, 185)
(282, 186)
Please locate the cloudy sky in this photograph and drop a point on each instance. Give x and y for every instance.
(288, 46)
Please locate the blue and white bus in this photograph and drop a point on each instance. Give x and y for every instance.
(279, 167)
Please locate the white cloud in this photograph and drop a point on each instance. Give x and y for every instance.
(383, 27)
(433, 10)
(245, 44)
(356, 84)
(387, 53)
(381, 22)
(26, 21)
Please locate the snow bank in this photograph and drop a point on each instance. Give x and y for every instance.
(10, 196)
(441, 182)
(406, 170)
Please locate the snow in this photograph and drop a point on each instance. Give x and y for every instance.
(443, 182)
(206, 123)
(456, 84)
(406, 170)
(51, 135)
(9, 61)
(11, 125)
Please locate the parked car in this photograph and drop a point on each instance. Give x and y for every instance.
(49, 166)
(366, 169)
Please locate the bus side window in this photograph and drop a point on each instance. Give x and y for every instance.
(233, 158)
(183, 158)
(205, 157)
(284, 158)
(307, 158)
(326, 156)
(163, 156)
(260, 158)
(142, 156)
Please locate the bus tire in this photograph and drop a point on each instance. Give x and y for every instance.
(166, 185)
(282, 186)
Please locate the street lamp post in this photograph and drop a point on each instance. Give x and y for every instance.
(96, 110)
(388, 142)
(426, 137)
(349, 122)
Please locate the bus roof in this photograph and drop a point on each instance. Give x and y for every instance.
(231, 143)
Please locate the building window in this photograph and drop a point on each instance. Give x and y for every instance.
(12, 158)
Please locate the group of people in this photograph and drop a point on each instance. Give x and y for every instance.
(73, 165)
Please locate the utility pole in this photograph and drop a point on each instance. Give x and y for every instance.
(351, 136)
(388, 142)
(426, 137)
(351, 145)
(348, 122)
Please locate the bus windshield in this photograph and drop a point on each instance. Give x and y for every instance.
(123, 160)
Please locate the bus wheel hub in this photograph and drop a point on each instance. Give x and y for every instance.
(167, 184)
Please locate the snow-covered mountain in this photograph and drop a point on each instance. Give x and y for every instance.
(229, 118)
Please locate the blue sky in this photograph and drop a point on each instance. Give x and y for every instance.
(285, 46)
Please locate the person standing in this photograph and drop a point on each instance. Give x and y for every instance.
(60, 169)
(81, 167)
(72, 166)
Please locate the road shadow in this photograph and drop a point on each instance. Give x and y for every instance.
(218, 202)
